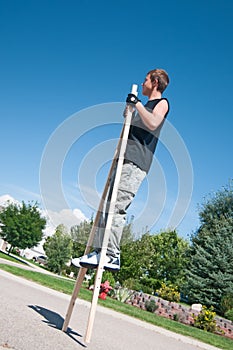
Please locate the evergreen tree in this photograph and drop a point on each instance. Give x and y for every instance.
(22, 225)
(209, 274)
(58, 249)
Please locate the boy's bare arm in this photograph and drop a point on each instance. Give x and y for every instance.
(152, 119)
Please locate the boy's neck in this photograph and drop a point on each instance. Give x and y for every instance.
(154, 95)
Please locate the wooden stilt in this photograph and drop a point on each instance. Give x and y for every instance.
(118, 163)
(83, 271)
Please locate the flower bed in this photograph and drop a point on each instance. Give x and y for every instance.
(178, 312)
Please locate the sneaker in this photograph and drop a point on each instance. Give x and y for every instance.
(90, 261)
(112, 264)
(75, 262)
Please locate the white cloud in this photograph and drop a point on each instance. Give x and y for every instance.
(67, 217)
(6, 199)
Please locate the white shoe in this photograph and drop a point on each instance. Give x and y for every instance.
(112, 264)
(75, 262)
(91, 260)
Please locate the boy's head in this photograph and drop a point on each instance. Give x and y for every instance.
(161, 77)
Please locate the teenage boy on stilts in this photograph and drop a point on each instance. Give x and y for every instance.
(145, 128)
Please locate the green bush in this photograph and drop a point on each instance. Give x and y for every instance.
(147, 290)
(151, 305)
(229, 315)
(206, 319)
(121, 294)
(226, 303)
(135, 285)
(131, 283)
(107, 276)
(176, 317)
(169, 292)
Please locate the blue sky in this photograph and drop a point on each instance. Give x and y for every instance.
(61, 58)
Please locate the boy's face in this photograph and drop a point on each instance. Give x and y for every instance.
(147, 86)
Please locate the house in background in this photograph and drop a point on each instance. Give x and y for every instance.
(3, 245)
(30, 253)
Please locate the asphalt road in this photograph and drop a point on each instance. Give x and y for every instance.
(32, 317)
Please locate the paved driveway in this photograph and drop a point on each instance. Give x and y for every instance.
(32, 317)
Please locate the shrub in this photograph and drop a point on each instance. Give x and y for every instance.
(131, 283)
(121, 294)
(226, 303)
(134, 284)
(229, 315)
(107, 276)
(169, 292)
(147, 290)
(151, 305)
(206, 319)
(176, 317)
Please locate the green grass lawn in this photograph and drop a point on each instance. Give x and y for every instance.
(11, 258)
(66, 286)
(20, 260)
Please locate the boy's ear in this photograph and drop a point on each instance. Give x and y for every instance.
(155, 82)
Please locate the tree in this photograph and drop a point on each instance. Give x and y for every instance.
(154, 259)
(134, 257)
(130, 265)
(22, 225)
(209, 274)
(168, 260)
(80, 234)
(58, 249)
(127, 233)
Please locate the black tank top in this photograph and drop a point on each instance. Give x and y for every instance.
(142, 141)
